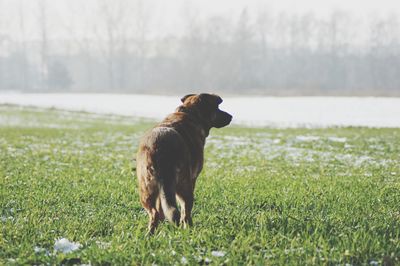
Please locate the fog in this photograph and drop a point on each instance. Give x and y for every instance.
(174, 47)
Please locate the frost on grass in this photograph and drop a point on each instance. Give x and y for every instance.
(291, 149)
(307, 138)
(65, 246)
(218, 253)
(337, 139)
(103, 245)
(184, 260)
(39, 249)
(5, 218)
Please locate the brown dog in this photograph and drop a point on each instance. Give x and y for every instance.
(170, 158)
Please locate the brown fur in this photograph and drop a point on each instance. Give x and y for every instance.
(170, 157)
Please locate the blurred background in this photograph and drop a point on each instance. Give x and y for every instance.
(236, 47)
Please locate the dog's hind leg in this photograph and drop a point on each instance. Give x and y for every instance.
(186, 199)
(149, 198)
(168, 203)
(154, 215)
(153, 220)
(159, 209)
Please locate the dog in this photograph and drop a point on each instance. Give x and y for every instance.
(171, 155)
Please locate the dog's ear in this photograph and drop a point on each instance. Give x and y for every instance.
(183, 99)
(219, 99)
(211, 98)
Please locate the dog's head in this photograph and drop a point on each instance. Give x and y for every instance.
(206, 107)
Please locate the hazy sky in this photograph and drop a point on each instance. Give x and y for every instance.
(317, 6)
(166, 16)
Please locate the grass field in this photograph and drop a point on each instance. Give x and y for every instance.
(265, 196)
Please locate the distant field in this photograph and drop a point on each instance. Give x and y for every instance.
(261, 111)
(265, 196)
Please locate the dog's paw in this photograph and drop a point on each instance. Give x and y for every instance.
(186, 223)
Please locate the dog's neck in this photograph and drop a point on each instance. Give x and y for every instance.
(197, 117)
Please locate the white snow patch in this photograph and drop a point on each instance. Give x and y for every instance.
(4, 218)
(39, 249)
(337, 139)
(246, 169)
(218, 253)
(269, 149)
(307, 138)
(65, 246)
(294, 250)
(103, 245)
(184, 260)
(253, 111)
(276, 141)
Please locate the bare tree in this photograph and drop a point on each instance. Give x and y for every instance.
(191, 50)
(264, 27)
(339, 32)
(84, 41)
(242, 43)
(333, 39)
(1, 48)
(300, 69)
(42, 19)
(6, 47)
(23, 46)
(217, 60)
(384, 52)
(124, 27)
(141, 21)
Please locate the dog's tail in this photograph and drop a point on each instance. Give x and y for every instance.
(168, 203)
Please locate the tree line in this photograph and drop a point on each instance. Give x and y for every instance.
(262, 53)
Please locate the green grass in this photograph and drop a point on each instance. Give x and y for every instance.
(266, 196)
